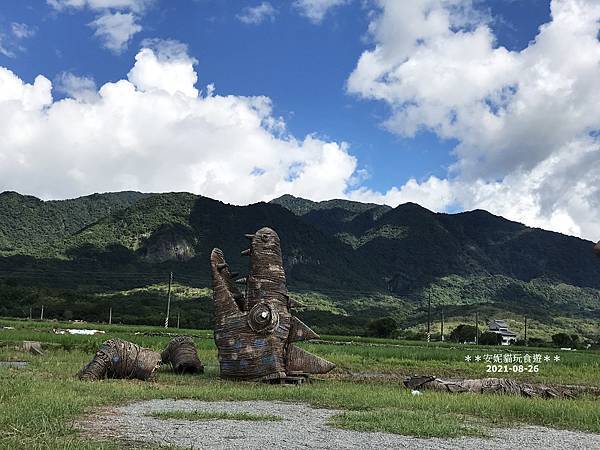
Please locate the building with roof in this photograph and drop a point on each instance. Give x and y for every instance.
(501, 327)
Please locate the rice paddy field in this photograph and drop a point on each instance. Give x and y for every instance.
(41, 402)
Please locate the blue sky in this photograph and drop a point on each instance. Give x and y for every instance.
(302, 63)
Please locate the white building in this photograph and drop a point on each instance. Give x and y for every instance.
(500, 327)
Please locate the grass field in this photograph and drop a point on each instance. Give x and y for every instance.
(40, 403)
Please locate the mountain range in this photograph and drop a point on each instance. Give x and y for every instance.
(347, 262)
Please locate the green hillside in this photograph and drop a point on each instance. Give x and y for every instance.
(347, 262)
(31, 226)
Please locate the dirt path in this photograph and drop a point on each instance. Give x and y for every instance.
(303, 427)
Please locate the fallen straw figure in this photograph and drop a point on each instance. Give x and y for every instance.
(181, 353)
(117, 358)
(500, 386)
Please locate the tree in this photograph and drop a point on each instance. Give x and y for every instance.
(536, 342)
(383, 327)
(464, 333)
(413, 335)
(489, 338)
(562, 340)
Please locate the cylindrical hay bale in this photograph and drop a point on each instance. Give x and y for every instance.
(117, 358)
(181, 353)
(597, 248)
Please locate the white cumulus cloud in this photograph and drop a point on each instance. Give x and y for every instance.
(75, 86)
(254, 15)
(117, 20)
(132, 5)
(315, 10)
(115, 30)
(154, 132)
(526, 121)
(4, 49)
(11, 43)
(433, 193)
(22, 30)
(164, 65)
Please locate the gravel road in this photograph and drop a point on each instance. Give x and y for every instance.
(303, 427)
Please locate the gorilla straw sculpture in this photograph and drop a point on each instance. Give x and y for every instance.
(255, 331)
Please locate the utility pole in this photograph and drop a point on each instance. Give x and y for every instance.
(169, 300)
(429, 317)
(30, 311)
(476, 328)
(525, 330)
(177, 319)
(110, 315)
(442, 325)
(42, 313)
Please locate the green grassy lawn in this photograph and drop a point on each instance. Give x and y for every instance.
(574, 368)
(39, 404)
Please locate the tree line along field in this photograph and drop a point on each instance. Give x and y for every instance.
(39, 404)
(329, 312)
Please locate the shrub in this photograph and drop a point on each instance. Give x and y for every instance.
(489, 338)
(384, 327)
(564, 340)
(464, 333)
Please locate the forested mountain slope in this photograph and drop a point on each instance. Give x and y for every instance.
(348, 261)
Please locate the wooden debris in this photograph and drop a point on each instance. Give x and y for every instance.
(117, 358)
(499, 386)
(181, 353)
(32, 347)
(254, 331)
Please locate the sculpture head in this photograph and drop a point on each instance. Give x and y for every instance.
(254, 330)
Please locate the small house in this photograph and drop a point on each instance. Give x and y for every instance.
(500, 327)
